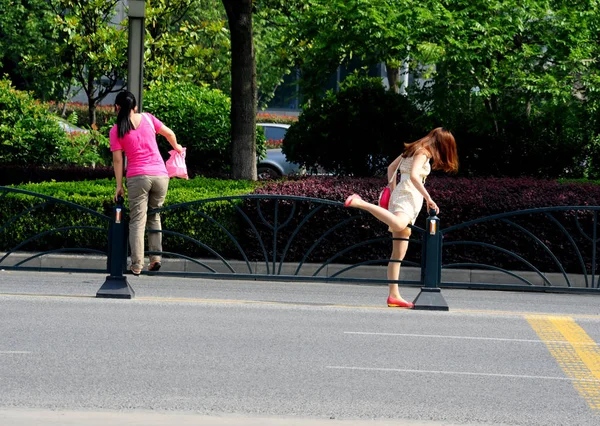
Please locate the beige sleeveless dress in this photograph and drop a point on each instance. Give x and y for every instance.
(406, 198)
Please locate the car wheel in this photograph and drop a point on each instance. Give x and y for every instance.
(267, 173)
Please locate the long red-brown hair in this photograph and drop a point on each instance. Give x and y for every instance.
(441, 146)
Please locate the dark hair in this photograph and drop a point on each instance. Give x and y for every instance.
(126, 101)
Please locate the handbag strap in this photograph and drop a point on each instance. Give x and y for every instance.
(149, 121)
(395, 171)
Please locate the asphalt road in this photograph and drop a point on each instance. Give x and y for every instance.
(190, 351)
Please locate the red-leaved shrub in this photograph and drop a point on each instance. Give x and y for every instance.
(547, 241)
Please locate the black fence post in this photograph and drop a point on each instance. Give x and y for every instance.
(430, 297)
(116, 286)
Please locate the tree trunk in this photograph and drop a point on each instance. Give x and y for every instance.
(90, 92)
(92, 112)
(243, 89)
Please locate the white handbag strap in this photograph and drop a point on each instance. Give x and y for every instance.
(395, 171)
(149, 121)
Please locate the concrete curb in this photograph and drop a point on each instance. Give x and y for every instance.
(410, 274)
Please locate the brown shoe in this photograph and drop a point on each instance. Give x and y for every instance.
(154, 266)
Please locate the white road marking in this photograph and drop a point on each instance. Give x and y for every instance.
(461, 373)
(440, 336)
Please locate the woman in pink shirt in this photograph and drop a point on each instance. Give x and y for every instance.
(147, 177)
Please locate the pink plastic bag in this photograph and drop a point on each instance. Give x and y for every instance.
(176, 164)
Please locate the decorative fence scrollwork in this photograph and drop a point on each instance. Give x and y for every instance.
(289, 238)
(551, 248)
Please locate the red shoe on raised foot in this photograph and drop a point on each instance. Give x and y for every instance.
(397, 303)
(350, 198)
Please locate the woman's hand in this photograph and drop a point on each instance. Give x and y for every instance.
(120, 192)
(178, 148)
(432, 205)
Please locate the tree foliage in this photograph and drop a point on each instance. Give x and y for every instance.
(355, 131)
(28, 42)
(187, 40)
(95, 48)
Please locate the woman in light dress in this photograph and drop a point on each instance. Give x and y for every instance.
(408, 194)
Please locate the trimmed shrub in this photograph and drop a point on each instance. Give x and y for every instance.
(460, 200)
(200, 117)
(85, 149)
(267, 117)
(363, 119)
(29, 134)
(98, 196)
(15, 175)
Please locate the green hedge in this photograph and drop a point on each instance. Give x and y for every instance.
(460, 200)
(28, 133)
(97, 196)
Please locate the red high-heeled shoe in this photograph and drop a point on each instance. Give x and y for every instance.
(348, 201)
(397, 303)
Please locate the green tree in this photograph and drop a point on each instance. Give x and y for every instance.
(188, 40)
(27, 48)
(517, 78)
(95, 48)
(318, 36)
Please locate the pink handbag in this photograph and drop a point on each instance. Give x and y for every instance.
(176, 164)
(384, 197)
(386, 194)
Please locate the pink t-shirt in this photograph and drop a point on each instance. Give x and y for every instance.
(139, 145)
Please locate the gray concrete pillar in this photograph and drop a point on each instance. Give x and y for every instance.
(135, 49)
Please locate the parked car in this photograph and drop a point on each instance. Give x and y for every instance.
(275, 165)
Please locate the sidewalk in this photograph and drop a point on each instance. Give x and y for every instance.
(457, 276)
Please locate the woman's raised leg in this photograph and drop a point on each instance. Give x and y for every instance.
(396, 223)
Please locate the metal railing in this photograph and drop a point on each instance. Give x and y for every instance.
(288, 238)
(59, 228)
(267, 237)
(278, 237)
(564, 239)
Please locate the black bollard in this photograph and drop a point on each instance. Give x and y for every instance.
(430, 297)
(116, 286)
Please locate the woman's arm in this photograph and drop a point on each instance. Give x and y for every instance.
(170, 135)
(118, 167)
(419, 161)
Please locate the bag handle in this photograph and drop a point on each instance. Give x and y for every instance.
(395, 172)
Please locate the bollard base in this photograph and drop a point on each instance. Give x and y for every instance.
(430, 299)
(116, 288)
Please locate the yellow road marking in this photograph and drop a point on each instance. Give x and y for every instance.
(579, 358)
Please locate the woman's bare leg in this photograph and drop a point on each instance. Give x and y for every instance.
(398, 253)
(396, 222)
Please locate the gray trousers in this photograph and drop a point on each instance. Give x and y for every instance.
(145, 191)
